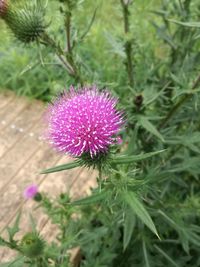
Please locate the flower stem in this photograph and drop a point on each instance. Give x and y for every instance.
(67, 63)
(128, 43)
(68, 30)
(69, 52)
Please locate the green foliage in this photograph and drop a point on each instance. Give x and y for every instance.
(139, 209)
(129, 224)
(62, 167)
(107, 160)
(147, 53)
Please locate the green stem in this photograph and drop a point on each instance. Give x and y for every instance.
(69, 53)
(68, 30)
(128, 44)
(66, 59)
(100, 174)
(11, 245)
(99, 179)
(48, 41)
(59, 260)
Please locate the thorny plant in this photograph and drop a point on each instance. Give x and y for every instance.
(145, 210)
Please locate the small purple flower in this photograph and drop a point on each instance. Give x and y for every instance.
(31, 191)
(83, 121)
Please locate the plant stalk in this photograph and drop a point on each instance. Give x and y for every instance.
(63, 57)
(128, 43)
(68, 30)
(69, 52)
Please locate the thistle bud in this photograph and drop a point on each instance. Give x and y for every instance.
(26, 22)
(32, 245)
(138, 101)
(3, 7)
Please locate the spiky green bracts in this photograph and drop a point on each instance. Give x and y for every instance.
(25, 21)
(32, 245)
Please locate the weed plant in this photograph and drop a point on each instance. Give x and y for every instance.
(145, 210)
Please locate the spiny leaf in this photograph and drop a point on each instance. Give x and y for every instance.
(167, 257)
(15, 228)
(186, 24)
(62, 167)
(138, 208)
(145, 123)
(161, 33)
(94, 198)
(129, 224)
(145, 254)
(90, 25)
(124, 159)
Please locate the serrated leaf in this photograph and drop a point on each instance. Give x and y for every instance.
(62, 167)
(15, 228)
(138, 208)
(145, 123)
(129, 224)
(167, 257)
(89, 25)
(124, 159)
(161, 33)
(146, 258)
(169, 220)
(190, 164)
(161, 13)
(186, 24)
(94, 198)
(176, 79)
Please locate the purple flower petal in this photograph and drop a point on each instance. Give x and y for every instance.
(30, 191)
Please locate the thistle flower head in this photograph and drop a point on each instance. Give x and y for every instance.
(83, 122)
(31, 191)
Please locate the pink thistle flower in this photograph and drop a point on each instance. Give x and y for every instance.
(83, 121)
(31, 191)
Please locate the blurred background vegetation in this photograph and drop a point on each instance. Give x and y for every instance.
(37, 74)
